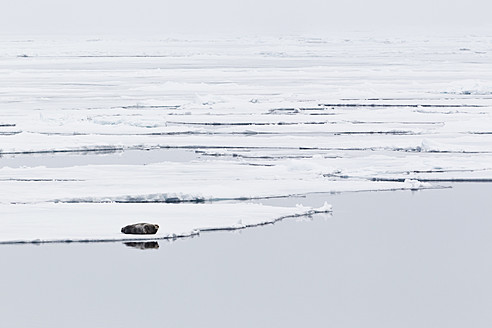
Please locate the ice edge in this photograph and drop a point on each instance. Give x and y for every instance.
(326, 208)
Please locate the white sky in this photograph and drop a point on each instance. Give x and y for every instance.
(166, 17)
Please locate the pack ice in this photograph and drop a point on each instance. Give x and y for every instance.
(99, 133)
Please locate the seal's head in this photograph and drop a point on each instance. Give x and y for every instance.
(150, 228)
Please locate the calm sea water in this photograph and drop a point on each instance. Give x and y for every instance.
(384, 259)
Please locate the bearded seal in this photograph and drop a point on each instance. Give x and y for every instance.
(140, 229)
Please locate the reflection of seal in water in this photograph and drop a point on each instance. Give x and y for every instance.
(140, 229)
(143, 245)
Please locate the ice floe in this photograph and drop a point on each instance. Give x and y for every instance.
(42, 223)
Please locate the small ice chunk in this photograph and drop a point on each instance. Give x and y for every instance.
(325, 208)
(416, 184)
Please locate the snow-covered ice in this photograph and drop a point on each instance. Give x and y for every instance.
(81, 222)
(255, 118)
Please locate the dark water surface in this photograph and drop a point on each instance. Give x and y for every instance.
(385, 259)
